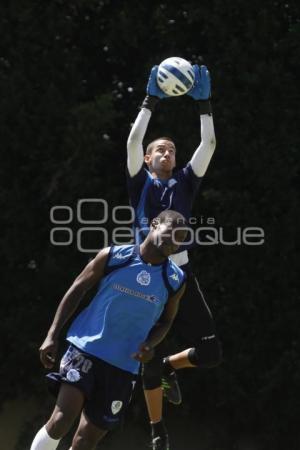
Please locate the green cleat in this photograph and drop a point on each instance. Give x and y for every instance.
(171, 388)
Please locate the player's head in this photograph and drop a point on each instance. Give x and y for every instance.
(161, 155)
(168, 230)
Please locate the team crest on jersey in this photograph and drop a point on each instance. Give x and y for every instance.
(73, 375)
(116, 406)
(143, 278)
(171, 182)
(175, 277)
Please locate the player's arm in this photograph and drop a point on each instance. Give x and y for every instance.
(161, 328)
(201, 93)
(135, 152)
(90, 275)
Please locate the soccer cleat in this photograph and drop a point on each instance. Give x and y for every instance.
(160, 443)
(171, 388)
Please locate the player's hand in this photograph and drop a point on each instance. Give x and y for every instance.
(48, 352)
(152, 87)
(144, 354)
(201, 89)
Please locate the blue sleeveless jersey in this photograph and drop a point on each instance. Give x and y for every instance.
(150, 196)
(129, 301)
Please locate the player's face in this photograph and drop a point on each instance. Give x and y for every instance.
(163, 156)
(167, 239)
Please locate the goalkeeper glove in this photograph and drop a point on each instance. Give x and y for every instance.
(202, 89)
(154, 93)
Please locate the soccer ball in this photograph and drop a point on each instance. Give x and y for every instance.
(175, 76)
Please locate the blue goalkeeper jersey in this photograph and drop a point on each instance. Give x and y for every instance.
(150, 196)
(129, 301)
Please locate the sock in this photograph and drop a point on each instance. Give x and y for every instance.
(43, 441)
(158, 429)
(167, 368)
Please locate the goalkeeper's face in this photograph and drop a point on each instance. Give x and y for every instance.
(162, 157)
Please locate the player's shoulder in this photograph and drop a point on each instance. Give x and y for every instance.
(143, 173)
(176, 276)
(185, 172)
(187, 179)
(120, 254)
(173, 267)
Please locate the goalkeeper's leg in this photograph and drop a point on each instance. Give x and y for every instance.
(195, 324)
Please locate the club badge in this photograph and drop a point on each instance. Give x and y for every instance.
(143, 278)
(116, 406)
(73, 375)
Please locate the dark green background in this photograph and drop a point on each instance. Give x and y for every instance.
(65, 70)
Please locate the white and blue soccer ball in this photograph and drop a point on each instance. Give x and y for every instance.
(175, 76)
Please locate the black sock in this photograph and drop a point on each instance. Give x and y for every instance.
(167, 368)
(158, 429)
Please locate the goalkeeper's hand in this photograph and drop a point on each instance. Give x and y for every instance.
(152, 87)
(201, 89)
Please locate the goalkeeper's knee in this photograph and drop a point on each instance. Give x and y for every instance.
(207, 354)
(152, 373)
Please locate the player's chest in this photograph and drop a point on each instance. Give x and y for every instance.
(140, 282)
(163, 193)
(170, 196)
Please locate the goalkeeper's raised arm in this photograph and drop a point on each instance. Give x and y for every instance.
(135, 152)
(201, 93)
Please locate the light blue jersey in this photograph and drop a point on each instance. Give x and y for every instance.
(129, 301)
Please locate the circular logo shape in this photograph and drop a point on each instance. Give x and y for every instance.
(143, 278)
(116, 406)
(73, 375)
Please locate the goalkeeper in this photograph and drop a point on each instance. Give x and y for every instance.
(152, 190)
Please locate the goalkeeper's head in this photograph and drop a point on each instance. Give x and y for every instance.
(160, 156)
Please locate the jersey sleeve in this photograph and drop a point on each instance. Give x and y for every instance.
(135, 186)
(176, 277)
(119, 256)
(191, 180)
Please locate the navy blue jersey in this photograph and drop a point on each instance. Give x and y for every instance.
(129, 301)
(150, 196)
